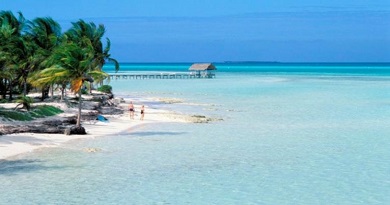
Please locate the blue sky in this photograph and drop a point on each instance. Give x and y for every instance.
(230, 30)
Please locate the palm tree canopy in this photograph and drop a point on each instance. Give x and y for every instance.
(70, 62)
(17, 23)
(45, 32)
(93, 34)
(11, 43)
(10, 35)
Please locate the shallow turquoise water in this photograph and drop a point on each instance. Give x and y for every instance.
(284, 139)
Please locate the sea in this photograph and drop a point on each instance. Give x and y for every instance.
(284, 133)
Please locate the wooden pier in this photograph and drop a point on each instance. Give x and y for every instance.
(159, 76)
(197, 70)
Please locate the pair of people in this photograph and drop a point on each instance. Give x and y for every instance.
(132, 110)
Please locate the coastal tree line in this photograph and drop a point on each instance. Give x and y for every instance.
(36, 54)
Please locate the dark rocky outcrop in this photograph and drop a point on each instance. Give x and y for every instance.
(10, 129)
(77, 130)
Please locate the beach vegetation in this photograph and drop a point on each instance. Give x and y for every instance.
(44, 35)
(11, 48)
(37, 55)
(90, 35)
(84, 91)
(15, 115)
(35, 112)
(45, 111)
(70, 61)
(105, 89)
(25, 101)
(77, 60)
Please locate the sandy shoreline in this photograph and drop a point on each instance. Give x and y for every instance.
(15, 144)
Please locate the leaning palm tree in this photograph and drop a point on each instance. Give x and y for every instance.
(73, 62)
(94, 35)
(45, 35)
(17, 23)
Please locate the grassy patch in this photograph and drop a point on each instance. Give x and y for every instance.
(15, 115)
(45, 110)
(36, 112)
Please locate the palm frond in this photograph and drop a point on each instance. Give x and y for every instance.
(116, 63)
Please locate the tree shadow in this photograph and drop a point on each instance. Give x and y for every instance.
(29, 139)
(11, 167)
(150, 133)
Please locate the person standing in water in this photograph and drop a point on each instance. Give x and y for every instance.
(131, 110)
(142, 112)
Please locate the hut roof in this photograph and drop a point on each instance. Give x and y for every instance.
(202, 66)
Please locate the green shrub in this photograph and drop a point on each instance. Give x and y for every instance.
(105, 88)
(3, 101)
(25, 101)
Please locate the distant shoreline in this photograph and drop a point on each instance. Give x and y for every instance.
(12, 145)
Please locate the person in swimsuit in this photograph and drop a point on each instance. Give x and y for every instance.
(142, 112)
(131, 110)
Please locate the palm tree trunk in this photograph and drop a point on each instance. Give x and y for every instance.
(52, 91)
(90, 88)
(63, 92)
(24, 86)
(3, 88)
(79, 114)
(10, 88)
(45, 93)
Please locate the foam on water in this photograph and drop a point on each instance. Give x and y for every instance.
(285, 139)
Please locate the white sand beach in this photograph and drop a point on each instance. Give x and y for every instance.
(14, 144)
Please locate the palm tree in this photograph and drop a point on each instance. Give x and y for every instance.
(94, 34)
(11, 28)
(45, 35)
(37, 52)
(26, 60)
(7, 72)
(6, 76)
(71, 61)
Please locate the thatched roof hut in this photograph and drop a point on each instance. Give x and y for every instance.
(202, 66)
(203, 70)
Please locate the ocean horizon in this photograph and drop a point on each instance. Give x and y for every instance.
(288, 133)
(352, 68)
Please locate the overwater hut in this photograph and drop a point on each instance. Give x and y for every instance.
(203, 70)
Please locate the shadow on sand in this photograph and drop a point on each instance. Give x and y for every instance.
(22, 139)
